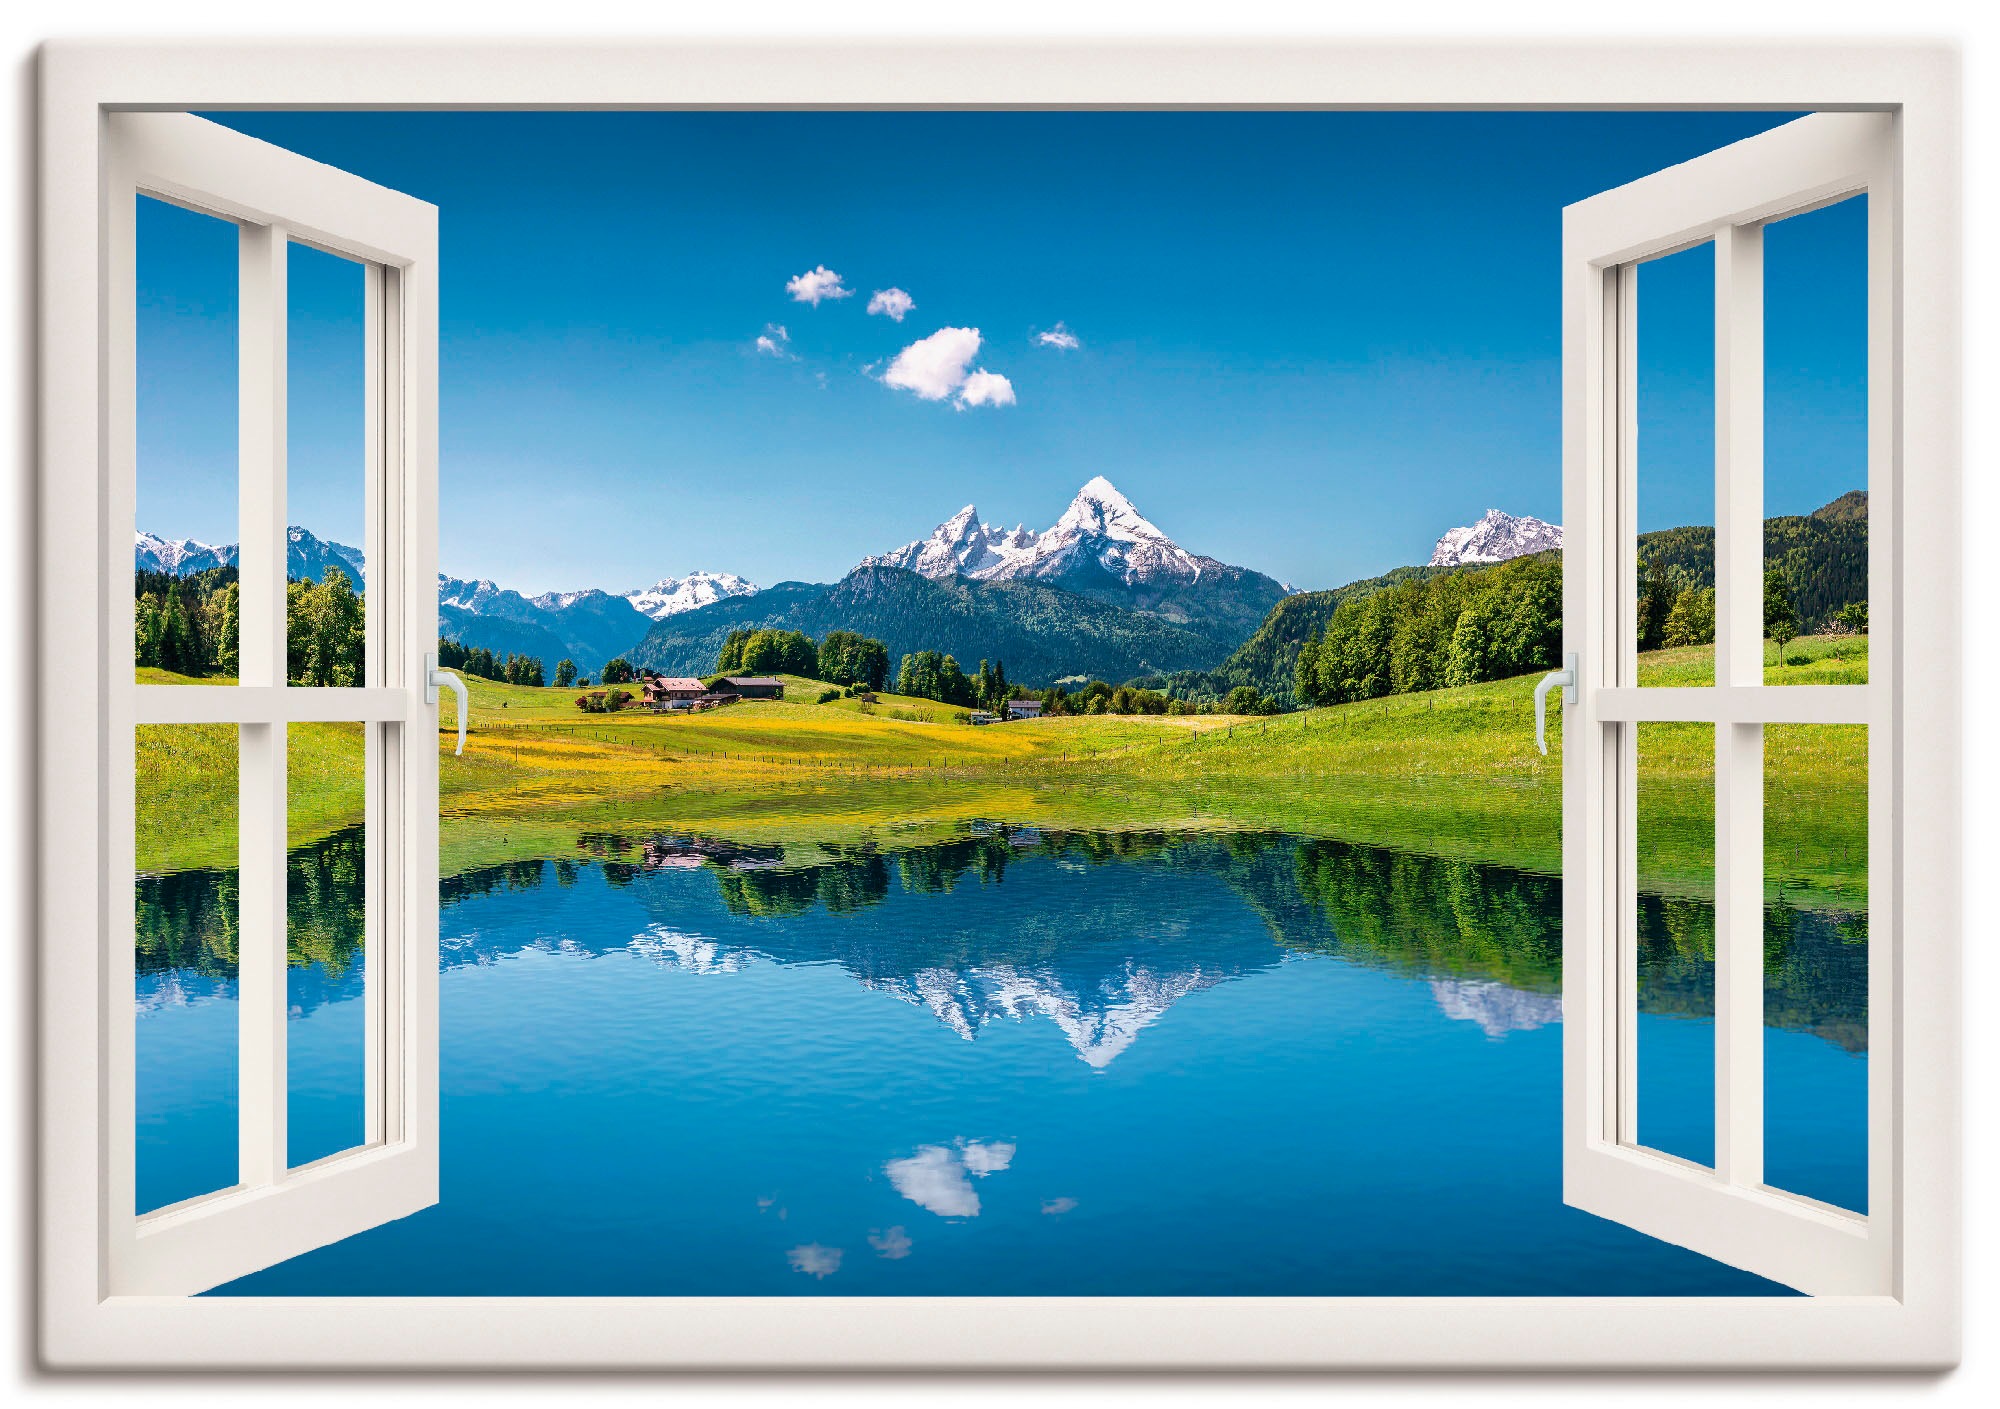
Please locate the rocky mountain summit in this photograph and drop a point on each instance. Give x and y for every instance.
(1494, 539)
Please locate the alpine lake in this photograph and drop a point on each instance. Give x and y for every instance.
(1008, 1060)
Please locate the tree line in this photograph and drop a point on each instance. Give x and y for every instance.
(187, 624)
(843, 657)
(1426, 634)
(1822, 556)
(1101, 697)
(510, 669)
(929, 675)
(193, 626)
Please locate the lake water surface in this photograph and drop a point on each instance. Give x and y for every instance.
(1014, 1063)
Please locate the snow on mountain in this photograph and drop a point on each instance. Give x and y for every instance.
(1099, 1023)
(307, 556)
(1100, 529)
(481, 595)
(671, 596)
(1494, 539)
(180, 556)
(561, 601)
(1497, 1008)
(961, 546)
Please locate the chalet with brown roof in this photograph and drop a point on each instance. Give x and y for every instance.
(752, 687)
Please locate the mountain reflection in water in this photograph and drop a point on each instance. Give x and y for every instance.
(1104, 961)
(1239, 1043)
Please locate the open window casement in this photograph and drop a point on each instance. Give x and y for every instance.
(1727, 1210)
(275, 1209)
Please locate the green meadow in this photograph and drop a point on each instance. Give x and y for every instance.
(1451, 773)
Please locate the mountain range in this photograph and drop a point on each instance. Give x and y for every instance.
(589, 626)
(1102, 593)
(306, 557)
(1103, 548)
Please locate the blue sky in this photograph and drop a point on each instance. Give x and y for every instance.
(1307, 343)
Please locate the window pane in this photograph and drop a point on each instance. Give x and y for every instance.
(326, 475)
(325, 939)
(1676, 468)
(1816, 961)
(1816, 446)
(184, 1052)
(185, 548)
(1675, 1039)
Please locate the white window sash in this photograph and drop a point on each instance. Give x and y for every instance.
(1727, 1212)
(274, 1211)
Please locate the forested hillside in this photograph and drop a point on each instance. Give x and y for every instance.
(1264, 662)
(1043, 633)
(1823, 556)
(1460, 628)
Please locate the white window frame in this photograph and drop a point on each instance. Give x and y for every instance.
(1727, 197)
(1915, 1324)
(274, 199)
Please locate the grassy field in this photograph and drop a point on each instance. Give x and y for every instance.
(1452, 773)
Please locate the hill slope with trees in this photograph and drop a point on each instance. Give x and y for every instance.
(1822, 557)
(1043, 633)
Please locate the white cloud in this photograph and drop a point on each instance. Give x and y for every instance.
(985, 1159)
(1059, 337)
(814, 1260)
(936, 1177)
(892, 303)
(984, 388)
(940, 366)
(774, 341)
(934, 367)
(1058, 1206)
(816, 284)
(894, 1244)
(933, 1178)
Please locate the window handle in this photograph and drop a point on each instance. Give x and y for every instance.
(433, 677)
(1566, 677)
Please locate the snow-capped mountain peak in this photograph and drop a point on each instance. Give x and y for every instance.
(1494, 539)
(179, 556)
(469, 594)
(1101, 523)
(307, 556)
(962, 546)
(1100, 509)
(1101, 532)
(561, 601)
(673, 595)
